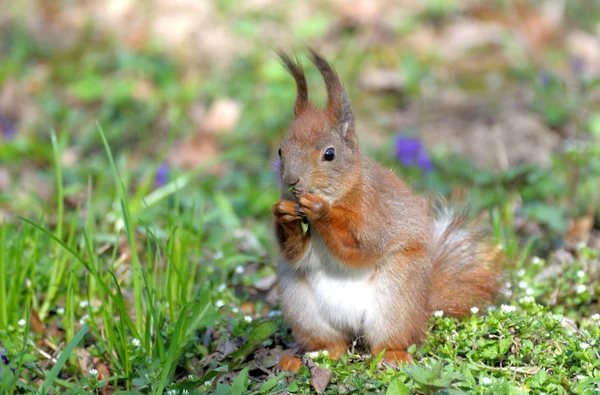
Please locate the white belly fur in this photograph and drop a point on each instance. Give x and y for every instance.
(343, 296)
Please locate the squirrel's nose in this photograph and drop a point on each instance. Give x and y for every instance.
(291, 180)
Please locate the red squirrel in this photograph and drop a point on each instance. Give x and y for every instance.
(375, 260)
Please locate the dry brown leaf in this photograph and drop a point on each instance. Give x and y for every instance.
(466, 34)
(266, 283)
(222, 116)
(247, 308)
(194, 152)
(36, 324)
(361, 12)
(381, 80)
(84, 360)
(4, 180)
(320, 378)
(579, 230)
(587, 47)
(226, 346)
(539, 25)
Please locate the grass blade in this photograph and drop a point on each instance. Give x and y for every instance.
(64, 357)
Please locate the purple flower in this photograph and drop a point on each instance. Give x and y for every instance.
(410, 152)
(162, 175)
(4, 359)
(7, 128)
(544, 78)
(576, 64)
(276, 164)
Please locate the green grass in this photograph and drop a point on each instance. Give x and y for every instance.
(112, 282)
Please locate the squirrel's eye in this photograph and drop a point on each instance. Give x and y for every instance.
(329, 154)
(279, 152)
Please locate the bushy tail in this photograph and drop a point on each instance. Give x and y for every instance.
(467, 272)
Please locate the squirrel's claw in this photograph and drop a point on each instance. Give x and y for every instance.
(314, 207)
(286, 211)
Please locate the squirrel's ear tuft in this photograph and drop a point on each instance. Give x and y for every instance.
(294, 67)
(338, 103)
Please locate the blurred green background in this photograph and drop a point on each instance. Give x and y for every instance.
(504, 97)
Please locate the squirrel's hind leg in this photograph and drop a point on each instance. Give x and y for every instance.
(399, 319)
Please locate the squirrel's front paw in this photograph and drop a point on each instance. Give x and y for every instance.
(287, 211)
(313, 206)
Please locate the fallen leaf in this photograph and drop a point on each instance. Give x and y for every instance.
(587, 47)
(36, 324)
(226, 346)
(320, 378)
(222, 116)
(4, 179)
(265, 284)
(381, 80)
(579, 230)
(291, 364)
(194, 152)
(84, 360)
(247, 308)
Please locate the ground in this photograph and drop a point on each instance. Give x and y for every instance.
(137, 146)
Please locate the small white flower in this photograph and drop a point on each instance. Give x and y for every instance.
(595, 317)
(207, 383)
(235, 310)
(581, 245)
(474, 310)
(60, 310)
(536, 260)
(491, 308)
(527, 299)
(580, 377)
(185, 392)
(506, 292)
(580, 273)
(84, 319)
(222, 288)
(239, 269)
(274, 313)
(521, 273)
(522, 284)
(508, 308)
(507, 284)
(136, 342)
(316, 354)
(581, 288)
(486, 381)
(22, 322)
(583, 345)
(83, 304)
(219, 303)
(247, 318)
(218, 255)
(529, 291)
(438, 313)
(557, 317)
(191, 377)
(93, 372)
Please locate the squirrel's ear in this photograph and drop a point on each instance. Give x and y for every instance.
(338, 104)
(294, 67)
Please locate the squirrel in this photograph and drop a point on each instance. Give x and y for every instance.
(362, 256)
